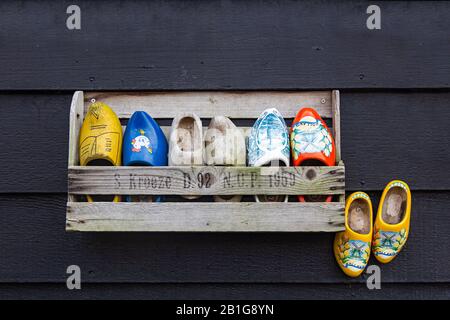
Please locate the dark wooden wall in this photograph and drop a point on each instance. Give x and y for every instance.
(395, 89)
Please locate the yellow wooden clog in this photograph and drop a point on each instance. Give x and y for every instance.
(352, 246)
(391, 227)
(101, 141)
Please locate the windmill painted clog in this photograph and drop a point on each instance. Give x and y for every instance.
(268, 145)
(352, 246)
(101, 141)
(224, 146)
(391, 227)
(144, 144)
(186, 142)
(312, 144)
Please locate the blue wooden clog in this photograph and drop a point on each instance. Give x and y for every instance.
(268, 140)
(268, 145)
(144, 144)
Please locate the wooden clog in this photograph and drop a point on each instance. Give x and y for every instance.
(144, 144)
(352, 246)
(391, 227)
(186, 142)
(268, 145)
(224, 146)
(101, 141)
(312, 144)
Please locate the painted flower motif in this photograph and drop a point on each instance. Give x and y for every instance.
(310, 136)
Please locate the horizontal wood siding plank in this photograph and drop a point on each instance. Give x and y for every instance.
(36, 248)
(385, 135)
(217, 45)
(233, 291)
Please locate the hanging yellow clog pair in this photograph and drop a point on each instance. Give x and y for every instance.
(101, 141)
(385, 239)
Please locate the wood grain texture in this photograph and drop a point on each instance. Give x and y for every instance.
(205, 217)
(220, 291)
(242, 105)
(223, 45)
(36, 248)
(207, 180)
(75, 122)
(336, 116)
(76, 117)
(385, 135)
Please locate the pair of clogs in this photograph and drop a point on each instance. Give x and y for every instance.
(223, 144)
(144, 143)
(385, 238)
(310, 141)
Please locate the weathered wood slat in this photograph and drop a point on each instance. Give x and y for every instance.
(199, 217)
(209, 104)
(207, 180)
(336, 116)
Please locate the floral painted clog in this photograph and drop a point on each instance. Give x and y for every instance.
(101, 141)
(224, 146)
(392, 221)
(144, 144)
(268, 144)
(352, 246)
(312, 144)
(186, 142)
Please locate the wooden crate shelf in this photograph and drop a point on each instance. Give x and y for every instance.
(205, 180)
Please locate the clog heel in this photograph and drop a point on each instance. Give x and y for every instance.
(352, 246)
(391, 227)
(186, 142)
(101, 142)
(144, 144)
(268, 144)
(224, 146)
(312, 145)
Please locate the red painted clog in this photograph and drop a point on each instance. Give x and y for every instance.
(312, 144)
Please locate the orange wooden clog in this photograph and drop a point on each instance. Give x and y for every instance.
(312, 144)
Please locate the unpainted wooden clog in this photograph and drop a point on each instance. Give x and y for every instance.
(391, 227)
(312, 144)
(268, 145)
(144, 144)
(352, 246)
(186, 142)
(101, 141)
(224, 146)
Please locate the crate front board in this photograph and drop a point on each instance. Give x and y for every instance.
(205, 180)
